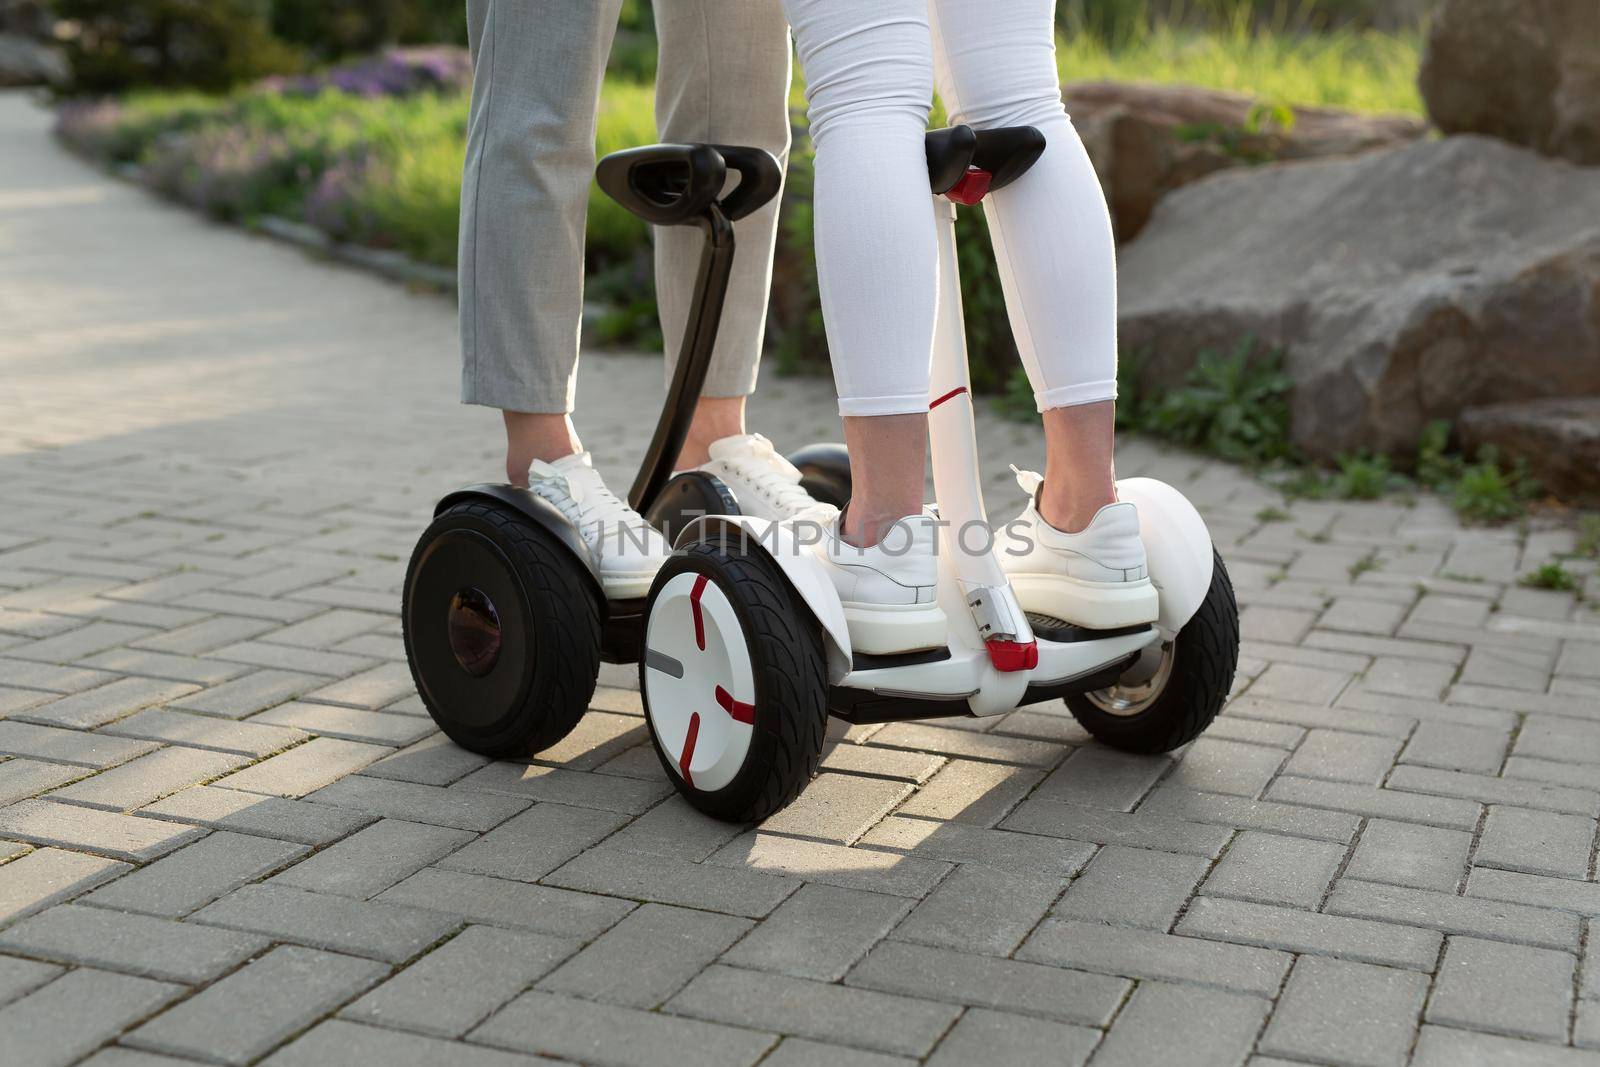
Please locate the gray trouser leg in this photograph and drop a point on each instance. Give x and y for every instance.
(524, 191)
(724, 79)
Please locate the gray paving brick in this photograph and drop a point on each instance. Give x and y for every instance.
(96, 707)
(376, 929)
(1510, 989)
(420, 803)
(264, 1003)
(19, 977)
(613, 1036)
(1246, 814)
(1132, 887)
(997, 1037)
(148, 778)
(1314, 716)
(435, 760)
(1344, 757)
(529, 846)
(202, 731)
(873, 762)
(1400, 853)
(1536, 842)
(249, 693)
(263, 816)
(1586, 1030)
(639, 876)
(799, 1052)
(99, 1003)
(1453, 747)
(136, 944)
(373, 859)
(816, 861)
(460, 983)
(818, 932)
(1166, 1023)
(1293, 930)
(1564, 894)
(82, 642)
(24, 778)
(1495, 790)
(960, 843)
(599, 736)
(349, 724)
(304, 768)
(1052, 818)
(1440, 1046)
(968, 744)
(1448, 913)
(48, 876)
(972, 792)
(858, 1017)
(1103, 778)
(673, 828)
(54, 744)
(337, 1041)
(608, 792)
(373, 688)
(987, 981)
(1149, 954)
(1272, 869)
(838, 808)
(126, 837)
(980, 909)
(502, 903)
(647, 957)
(284, 657)
(196, 874)
(1346, 1013)
(1255, 732)
(1213, 766)
(1566, 740)
(1448, 812)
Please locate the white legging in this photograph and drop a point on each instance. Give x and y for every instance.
(870, 70)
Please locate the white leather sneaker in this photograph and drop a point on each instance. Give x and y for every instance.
(1096, 577)
(629, 550)
(890, 591)
(766, 484)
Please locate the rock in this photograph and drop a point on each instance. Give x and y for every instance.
(1147, 140)
(1524, 70)
(27, 62)
(1404, 286)
(1559, 438)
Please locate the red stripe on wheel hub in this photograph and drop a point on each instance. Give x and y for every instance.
(694, 606)
(738, 709)
(688, 746)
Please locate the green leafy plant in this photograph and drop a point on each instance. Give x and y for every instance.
(1437, 468)
(1550, 576)
(1363, 477)
(1272, 514)
(1487, 493)
(1235, 406)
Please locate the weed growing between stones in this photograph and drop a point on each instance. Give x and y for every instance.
(1551, 575)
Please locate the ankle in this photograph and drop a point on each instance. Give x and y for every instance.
(531, 436)
(715, 417)
(861, 528)
(1072, 513)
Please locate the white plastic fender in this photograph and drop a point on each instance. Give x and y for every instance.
(1177, 545)
(797, 558)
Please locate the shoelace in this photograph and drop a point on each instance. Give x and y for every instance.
(598, 506)
(773, 476)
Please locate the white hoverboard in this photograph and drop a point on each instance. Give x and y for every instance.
(746, 652)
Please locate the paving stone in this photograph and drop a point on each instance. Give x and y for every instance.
(599, 736)
(1344, 757)
(434, 760)
(1586, 1031)
(82, 642)
(1573, 775)
(639, 876)
(19, 977)
(148, 778)
(126, 837)
(265, 1002)
(647, 957)
(529, 846)
(1132, 887)
(1422, 678)
(99, 1003)
(1247, 814)
(859, 1017)
(24, 778)
(1446, 912)
(837, 808)
(1137, 830)
(96, 707)
(1347, 1013)
(1402, 853)
(501, 903)
(818, 932)
(419, 803)
(968, 744)
(371, 860)
(196, 874)
(609, 792)
(1516, 668)
(1149, 954)
(377, 929)
(1495, 790)
(305, 768)
(1448, 812)
(1564, 894)
(54, 744)
(673, 828)
(987, 981)
(1536, 842)
(1293, 930)
(996, 1037)
(1315, 716)
(371, 688)
(975, 909)
(1453, 747)
(1213, 766)
(798, 1052)
(816, 861)
(1440, 1046)
(960, 843)
(460, 983)
(972, 792)
(1103, 778)
(248, 694)
(1166, 1023)
(201, 731)
(137, 944)
(48, 876)
(872, 762)
(1565, 740)
(349, 724)
(1272, 869)
(1288, 681)
(613, 1036)
(1510, 989)
(1255, 732)
(337, 1041)
(263, 816)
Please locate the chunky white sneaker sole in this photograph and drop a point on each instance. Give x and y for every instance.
(628, 585)
(1095, 605)
(887, 629)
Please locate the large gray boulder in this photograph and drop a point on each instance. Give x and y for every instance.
(1559, 439)
(1524, 70)
(1404, 285)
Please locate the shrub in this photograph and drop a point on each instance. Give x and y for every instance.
(1486, 493)
(331, 30)
(201, 44)
(1234, 406)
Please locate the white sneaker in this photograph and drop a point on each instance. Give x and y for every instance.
(766, 485)
(1096, 577)
(628, 549)
(890, 591)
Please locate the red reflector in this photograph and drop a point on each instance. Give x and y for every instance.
(973, 187)
(1008, 656)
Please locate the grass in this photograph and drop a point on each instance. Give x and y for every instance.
(1550, 576)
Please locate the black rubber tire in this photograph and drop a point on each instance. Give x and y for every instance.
(791, 683)
(545, 677)
(1206, 653)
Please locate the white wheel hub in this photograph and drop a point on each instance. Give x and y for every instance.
(699, 685)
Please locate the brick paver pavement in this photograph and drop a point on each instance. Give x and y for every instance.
(230, 833)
